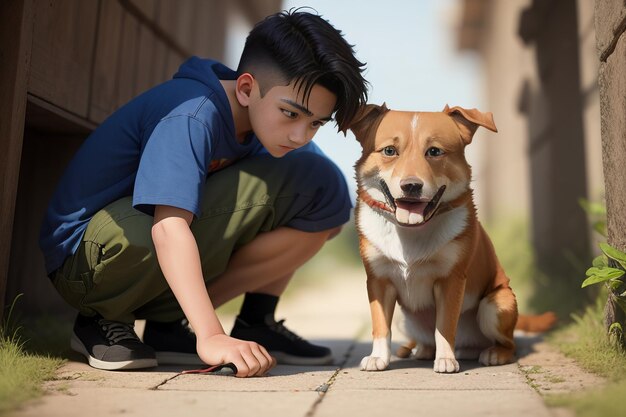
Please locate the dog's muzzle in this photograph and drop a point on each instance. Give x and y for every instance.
(408, 211)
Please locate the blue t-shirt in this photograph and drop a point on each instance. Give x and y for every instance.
(159, 148)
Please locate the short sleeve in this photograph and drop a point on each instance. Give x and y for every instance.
(174, 165)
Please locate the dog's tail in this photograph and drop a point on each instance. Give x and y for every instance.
(538, 323)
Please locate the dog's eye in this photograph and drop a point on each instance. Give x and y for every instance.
(389, 151)
(434, 152)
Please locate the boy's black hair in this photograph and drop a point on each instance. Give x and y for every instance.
(303, 47)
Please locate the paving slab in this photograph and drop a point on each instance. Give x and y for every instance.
(419, 375)
(335, 314)
(158, 403)
(281, 379)
(431, 403)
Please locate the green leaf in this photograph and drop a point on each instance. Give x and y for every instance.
(614, 254)
(615, 327)
(600, 261)
(600, 227)
(594, 209)
(596, 275)
(614, 284)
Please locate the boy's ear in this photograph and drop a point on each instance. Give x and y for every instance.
(367, 120)
(468, 120)
(243, 88)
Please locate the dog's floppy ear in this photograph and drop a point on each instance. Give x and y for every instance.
(367, 120)
(468, 121)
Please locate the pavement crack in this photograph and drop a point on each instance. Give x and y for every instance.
(165, 381)
(323, 389)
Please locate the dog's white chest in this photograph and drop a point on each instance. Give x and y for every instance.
(413, 258)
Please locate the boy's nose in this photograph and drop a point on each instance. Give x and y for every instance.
(298, 137)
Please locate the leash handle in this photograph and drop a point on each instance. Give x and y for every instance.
(226, 369)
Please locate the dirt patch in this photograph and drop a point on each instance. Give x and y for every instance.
(550, 372)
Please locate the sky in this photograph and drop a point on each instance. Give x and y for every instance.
(411, 56)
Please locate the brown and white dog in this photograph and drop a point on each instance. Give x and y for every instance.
(422, 244)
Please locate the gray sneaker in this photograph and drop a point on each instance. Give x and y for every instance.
(110, 345)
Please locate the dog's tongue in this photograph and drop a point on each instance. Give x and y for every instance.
(410, 213)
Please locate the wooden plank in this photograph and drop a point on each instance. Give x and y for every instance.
(148, 7)
(127, 62)
(159, 64)
(16, 29)
(103, 89)
(147, 44)
(153, 26)
(210, 29)
(63, 39)
(167, 17)
(42, 116)
(173, 63)
(44, 158)
(184, 29)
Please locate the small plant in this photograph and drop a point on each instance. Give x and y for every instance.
(608, 268)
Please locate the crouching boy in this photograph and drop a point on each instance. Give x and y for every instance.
(201, 189)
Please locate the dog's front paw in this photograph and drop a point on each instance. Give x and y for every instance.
(374, 363)
(446, 365)
(496, 355)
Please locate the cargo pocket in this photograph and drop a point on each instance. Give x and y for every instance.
(93, 255)
(72, 291)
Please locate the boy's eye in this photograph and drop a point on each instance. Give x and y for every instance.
(290, 114)
(434, 152)
(317, 124)
(390, 151)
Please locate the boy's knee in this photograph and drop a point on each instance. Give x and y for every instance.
(325, 198)
(320, 173)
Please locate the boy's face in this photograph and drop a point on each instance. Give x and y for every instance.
(283, 121)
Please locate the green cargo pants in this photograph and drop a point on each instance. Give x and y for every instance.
(115, 272)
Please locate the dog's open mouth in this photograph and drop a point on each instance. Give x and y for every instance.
(415, 211)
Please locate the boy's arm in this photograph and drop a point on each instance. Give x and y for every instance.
(178, 256)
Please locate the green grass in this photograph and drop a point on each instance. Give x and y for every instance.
(22, 373)
(586, 341)
(607, 402)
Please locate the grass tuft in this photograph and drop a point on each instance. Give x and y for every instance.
(606, 402)
(21, 373)
(587, 342)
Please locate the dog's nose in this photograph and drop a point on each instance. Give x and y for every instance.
(411, 185)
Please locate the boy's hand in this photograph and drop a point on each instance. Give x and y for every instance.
(250, 358)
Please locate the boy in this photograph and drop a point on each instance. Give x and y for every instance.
(148, 222)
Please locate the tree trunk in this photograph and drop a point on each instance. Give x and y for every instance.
(610, 24)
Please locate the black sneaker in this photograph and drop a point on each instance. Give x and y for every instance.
(287, 347)
(110, 345)
(174, 342)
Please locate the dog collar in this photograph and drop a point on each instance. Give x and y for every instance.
(369, 200)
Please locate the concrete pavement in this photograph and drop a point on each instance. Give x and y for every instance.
(335, 314)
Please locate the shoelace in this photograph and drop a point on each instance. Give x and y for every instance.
(280, 328)
(116, 331)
